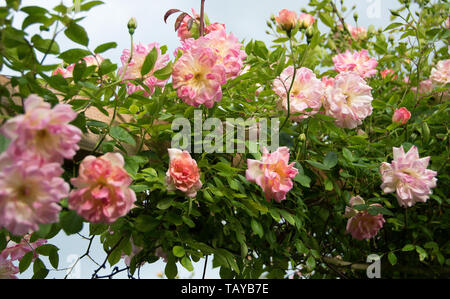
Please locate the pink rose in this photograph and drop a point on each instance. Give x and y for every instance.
(287, 19)
(408, 176)
(401, 115)
(358, 33)
(361, 225)
(305, 20)
(102, 191)
(133, 70)
(388, 73)
(198, 78)
(306, 92)
(272, 173)
(30, 190)
(358, 62)
(441, 73)
(183, 173)
(7, 269)
(17, 251)
(349, 100)
(43, 130)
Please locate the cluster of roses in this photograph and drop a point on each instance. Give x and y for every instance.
(347, 98)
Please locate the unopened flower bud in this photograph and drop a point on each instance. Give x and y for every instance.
(309, 34)
(355, 16)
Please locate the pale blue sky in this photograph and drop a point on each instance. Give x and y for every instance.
(245, 18)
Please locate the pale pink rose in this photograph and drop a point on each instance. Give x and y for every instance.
(102, 191)
(43, 130)
(90, 61)
(214, 27)
(227, 48)
(183, 173)
(358, 33)
(305, 20)
(440, 74)
(447, 23)
(183, 31)
(287, 19)
(159, 252)
(408, 176)
(401, 115)
(306, 92)
(198, 78)
(361, 225)
(17, 251)
(30, 190)
(63, 72)
(272, 173)
(133, 70)
(359, 62)
(425, 87)
(349, 100)
(7, 269)
(389, 73)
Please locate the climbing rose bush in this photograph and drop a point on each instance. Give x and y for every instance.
(330, 143)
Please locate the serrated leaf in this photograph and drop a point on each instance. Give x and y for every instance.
(77, 34)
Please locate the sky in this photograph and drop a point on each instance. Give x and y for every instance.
(244, 18)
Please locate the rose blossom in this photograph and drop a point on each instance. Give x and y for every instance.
(306, 91)
(133, 70)
(401, 115)
(183, 173)
(359, 62)
(358, 33)
(214, 27)
(17, 251)
(43, 130)
(287, 19)
(227, 48)
(7, 269)
(408, 176)
(90, 61)
(198, 78)
(305, 20)
(29, 193)
(441, 73)
(183, 31)
(349, 100)
(102, 191)
(272, 173)
(361, 224)
(326, 81)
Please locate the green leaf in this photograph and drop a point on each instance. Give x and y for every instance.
(188, 221)
(186, 263)
(164, 73)
(165, 204)
(77, 34)
(149, 62)
(70, 222)
(392, 258)
(330, 160)
(171, 269)
(39, 269)
(317, 165)
(54, 259)
(286, 215)
(46, 249)
(311, 263)
(348, 154)
(304, 180)
(25, 261)
(105, 47)
(178, 251)
(326, 19)
(257, 228)
(45, 45)
(79, 70)
(122, 135)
